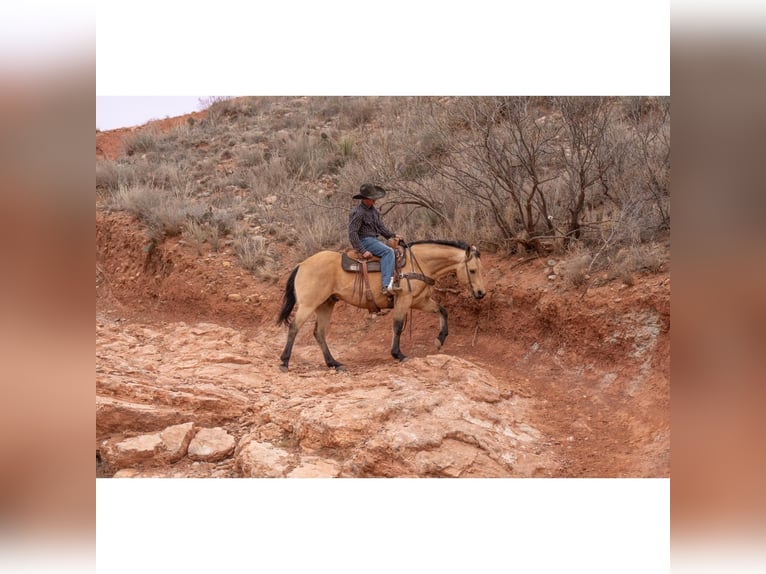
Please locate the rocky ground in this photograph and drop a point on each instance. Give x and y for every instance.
(539, 379)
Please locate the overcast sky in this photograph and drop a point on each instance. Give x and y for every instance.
(126, 111)
(469, 53)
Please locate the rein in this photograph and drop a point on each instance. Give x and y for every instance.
(413, 274)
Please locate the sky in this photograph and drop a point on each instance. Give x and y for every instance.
(126, 111)
(468, 53)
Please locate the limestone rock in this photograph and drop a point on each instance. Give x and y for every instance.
(211, 445)
(156, 449)
(261, 460)
(176, 440)
(315, 467)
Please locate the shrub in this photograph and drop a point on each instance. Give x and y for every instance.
(141, 142)
(163, 213)
(255, 254)
(198, 233)
(107, 176)
(320, 231)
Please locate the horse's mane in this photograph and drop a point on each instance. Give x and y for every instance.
(459, 244)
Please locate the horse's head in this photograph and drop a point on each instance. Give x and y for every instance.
(471, 273)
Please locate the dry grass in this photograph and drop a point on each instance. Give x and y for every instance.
(163, 212)
(107, 176)
(256, 255)
(200, 233)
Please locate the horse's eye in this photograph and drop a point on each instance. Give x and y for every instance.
(473, 271)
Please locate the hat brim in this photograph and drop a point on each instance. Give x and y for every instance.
(377, 193)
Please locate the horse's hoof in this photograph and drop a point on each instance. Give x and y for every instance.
(339, 367)
(403, 359)
(438, 344)
(283, 368)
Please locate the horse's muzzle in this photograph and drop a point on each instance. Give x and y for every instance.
(479, 294)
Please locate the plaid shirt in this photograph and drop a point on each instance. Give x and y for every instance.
(365, 221)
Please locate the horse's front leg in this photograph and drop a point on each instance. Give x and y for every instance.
(401, 307)
(443, 324)
(431, 306)
(398, 327)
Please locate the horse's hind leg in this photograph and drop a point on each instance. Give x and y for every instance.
(324, 313)
(300, 318)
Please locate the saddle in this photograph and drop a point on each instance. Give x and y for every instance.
(352, 261)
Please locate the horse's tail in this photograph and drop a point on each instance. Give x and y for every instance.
(289, 300)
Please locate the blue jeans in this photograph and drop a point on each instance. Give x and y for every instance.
(386, 254)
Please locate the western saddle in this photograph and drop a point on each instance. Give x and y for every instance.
(353, 262)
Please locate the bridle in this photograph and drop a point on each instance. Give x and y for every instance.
(468, 256)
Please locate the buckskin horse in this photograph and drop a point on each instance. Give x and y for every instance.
(320, 281)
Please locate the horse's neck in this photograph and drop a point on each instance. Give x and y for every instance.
(437, 261)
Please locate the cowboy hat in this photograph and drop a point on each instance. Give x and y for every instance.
(370, 191)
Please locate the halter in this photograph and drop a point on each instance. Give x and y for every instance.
(469, 253)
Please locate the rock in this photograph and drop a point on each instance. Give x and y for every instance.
(315, 467)
(261, 460)
(150, 378)
(437, 415)
(153, 408)
(176, 440)
(456, 459)
(234, 297)
(117, 416)
(211, 445)
(132, 451)
(126, 473)
(156, 449)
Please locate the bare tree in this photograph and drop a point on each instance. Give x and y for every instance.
(499, 158)
(529, 171)
(650, 121)
(585, 121)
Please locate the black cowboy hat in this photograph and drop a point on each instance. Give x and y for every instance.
(370, 191)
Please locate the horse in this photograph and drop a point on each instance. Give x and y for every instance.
(317, 283)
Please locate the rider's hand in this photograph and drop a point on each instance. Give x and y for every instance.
(366, 255)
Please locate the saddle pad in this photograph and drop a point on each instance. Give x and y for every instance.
(355, 266)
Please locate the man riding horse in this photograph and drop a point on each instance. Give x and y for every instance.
(364, 227)
(317, 283)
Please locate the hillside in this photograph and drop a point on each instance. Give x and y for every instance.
(556, 373)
